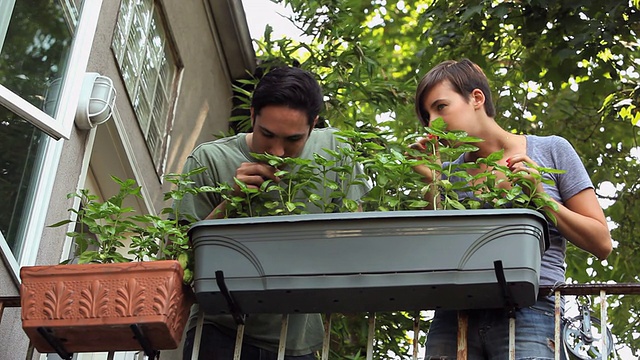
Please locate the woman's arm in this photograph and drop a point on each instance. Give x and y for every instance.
(581, 221)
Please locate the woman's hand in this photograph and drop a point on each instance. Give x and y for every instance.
(429, 146)
(580, 218)
(520, 163)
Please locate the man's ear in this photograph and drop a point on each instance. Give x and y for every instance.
(478, 98)
(315, 121)
(253, 118)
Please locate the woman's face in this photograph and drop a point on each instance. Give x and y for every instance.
(443, 101)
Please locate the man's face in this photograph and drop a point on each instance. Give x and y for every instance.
(280, 131)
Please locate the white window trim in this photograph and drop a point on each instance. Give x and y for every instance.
(38, 214)
(62, 125)
(9, 260)
(27, 111)
(6, 10)
(88, 146)
(61, 128)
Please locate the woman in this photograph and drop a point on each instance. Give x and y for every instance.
(458, 92)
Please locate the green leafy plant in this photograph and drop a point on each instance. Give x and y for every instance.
(305, 183)
(488, 184)
(103, 227)
(296, 192)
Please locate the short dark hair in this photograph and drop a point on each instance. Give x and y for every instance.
(291, 87)
(464, 75)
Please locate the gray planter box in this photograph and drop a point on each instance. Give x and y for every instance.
(370, 261)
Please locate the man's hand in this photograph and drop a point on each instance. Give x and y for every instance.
(254, 174)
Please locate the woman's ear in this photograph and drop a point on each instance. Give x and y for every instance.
(478, 98)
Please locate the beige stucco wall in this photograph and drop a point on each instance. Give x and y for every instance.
(204, 100)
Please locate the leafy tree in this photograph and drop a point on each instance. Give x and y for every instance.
(556, 67)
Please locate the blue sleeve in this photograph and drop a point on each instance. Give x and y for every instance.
(564, 157)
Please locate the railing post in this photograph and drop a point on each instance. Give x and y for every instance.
(283, 336)
(198, 336)
(237, 350)
(372, 332)
(463, 324)
(326, 342)
(603, 324)
(556, 331)
(512, 338)
(416, 334)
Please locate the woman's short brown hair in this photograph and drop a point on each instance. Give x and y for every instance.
(464, 75)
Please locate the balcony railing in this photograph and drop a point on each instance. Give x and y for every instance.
(601, 290)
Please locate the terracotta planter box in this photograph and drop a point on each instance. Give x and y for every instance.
(90, 308)
(370, 261)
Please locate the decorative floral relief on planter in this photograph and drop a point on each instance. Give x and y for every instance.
(91, 307)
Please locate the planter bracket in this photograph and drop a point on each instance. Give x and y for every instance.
(144, 342)
(506, 293)
(55, 343)
(234, 308)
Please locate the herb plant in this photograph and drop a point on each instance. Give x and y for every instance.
(107, 225)
(395, 186)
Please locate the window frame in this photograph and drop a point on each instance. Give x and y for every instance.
(58, 127)
(61, 125)
(158, 15)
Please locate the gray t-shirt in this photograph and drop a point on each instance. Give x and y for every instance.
(557, 153)
(221, 158)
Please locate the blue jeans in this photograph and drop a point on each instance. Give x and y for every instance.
(488, 333)
(216, 345)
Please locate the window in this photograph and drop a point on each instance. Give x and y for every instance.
(148, 67)
(43, 57)
(22, 149)
(34, 53)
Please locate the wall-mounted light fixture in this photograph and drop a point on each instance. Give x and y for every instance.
(95, 104)
(97, 99)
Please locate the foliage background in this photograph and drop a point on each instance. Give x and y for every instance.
(556, 67)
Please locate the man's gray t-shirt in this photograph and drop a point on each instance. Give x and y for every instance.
(557, 153)
(221, 158)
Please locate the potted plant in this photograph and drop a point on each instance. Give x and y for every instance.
(109, 301)
(410, 259)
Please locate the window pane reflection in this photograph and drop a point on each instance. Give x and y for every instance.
(22, 147)
(35, 51)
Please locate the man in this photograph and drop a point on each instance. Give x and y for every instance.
(284, 111)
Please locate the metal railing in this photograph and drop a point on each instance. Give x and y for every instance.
(602, 290)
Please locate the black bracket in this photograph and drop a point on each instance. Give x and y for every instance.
(144, 342)
(234, 308)
(57, 346)
(506, 292)
(55, 343)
